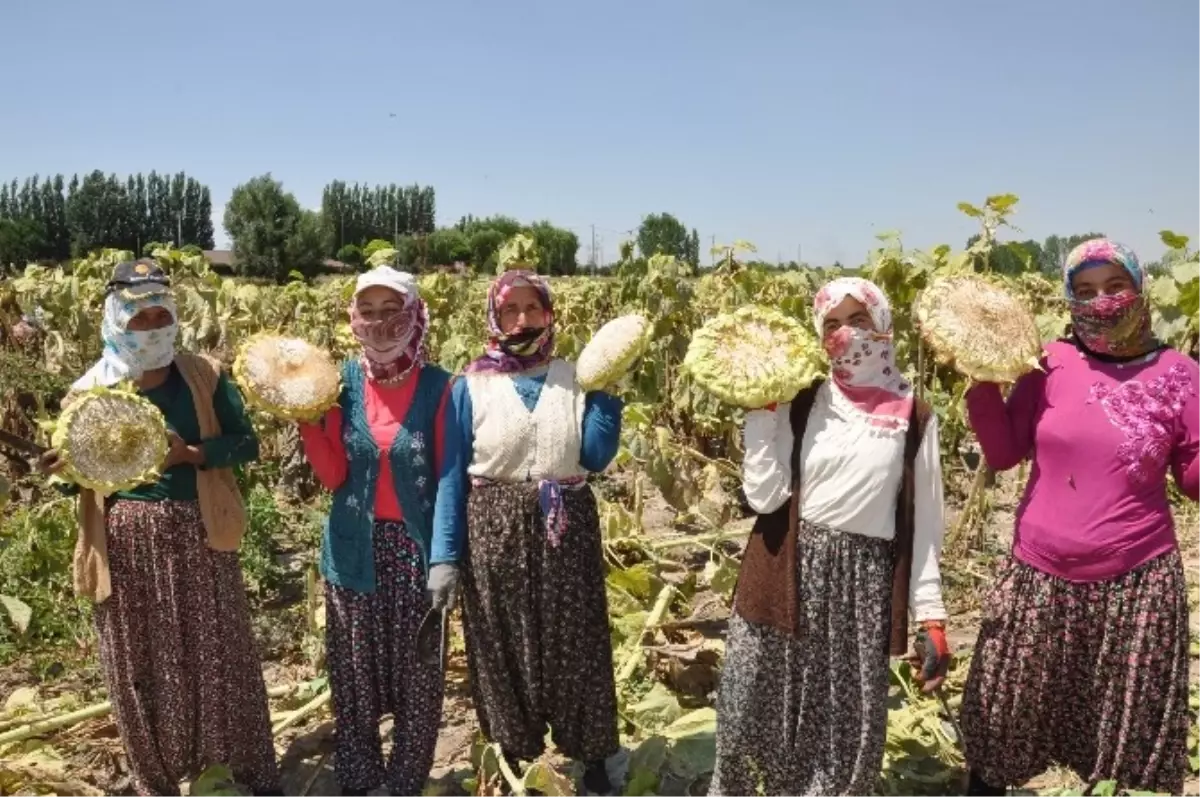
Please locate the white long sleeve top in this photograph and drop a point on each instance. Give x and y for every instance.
(851, 481)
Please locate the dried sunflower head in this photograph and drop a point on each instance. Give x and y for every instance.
(979, 328)
(111, 440)
(753, 357)
(611, 351)
(287, 377)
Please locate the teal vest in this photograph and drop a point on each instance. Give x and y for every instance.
(347, 546)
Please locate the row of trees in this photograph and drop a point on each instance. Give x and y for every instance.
(1014, 257)
(55, 219)
(475, 242)
(357, 214)
(273, 236)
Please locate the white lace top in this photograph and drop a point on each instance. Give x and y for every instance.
(851, 481)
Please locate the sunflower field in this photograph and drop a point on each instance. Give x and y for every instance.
(673, 518)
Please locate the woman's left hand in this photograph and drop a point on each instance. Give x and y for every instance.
(931, 657)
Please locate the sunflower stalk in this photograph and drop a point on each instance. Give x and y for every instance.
(47, 723)
(630, 665)
(305, 711)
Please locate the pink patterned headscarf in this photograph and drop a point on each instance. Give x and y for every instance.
(863, 363)
(507, 354)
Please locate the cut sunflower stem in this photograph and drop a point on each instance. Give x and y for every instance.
(699, 539)
(46, 723)
(43, 726)
(630, 665)
(309, 708)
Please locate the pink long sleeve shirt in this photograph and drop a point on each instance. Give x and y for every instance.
(386, 408)
(1102, 437)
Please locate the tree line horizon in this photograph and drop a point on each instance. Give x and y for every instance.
(54, 219)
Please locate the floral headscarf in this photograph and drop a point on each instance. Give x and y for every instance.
(513, 353)
(130, 353)
(393, 346)
(1099, 251)
(863, 363)
(1119, 325)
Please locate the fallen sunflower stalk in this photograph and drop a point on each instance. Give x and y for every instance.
(44, 724)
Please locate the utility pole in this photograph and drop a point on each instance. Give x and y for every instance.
(593, 258)
(712, 254)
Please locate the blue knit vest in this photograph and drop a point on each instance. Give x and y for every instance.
(347, 546)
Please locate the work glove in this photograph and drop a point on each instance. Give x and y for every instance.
(931, 655)
(443, 586)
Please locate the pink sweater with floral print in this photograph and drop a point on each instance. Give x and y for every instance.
(1102, 437)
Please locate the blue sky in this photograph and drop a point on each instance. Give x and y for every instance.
(792, 124)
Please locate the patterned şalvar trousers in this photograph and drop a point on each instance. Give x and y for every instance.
(808, 715)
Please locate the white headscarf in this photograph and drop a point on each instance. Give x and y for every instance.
(129, 354)
(863, 364)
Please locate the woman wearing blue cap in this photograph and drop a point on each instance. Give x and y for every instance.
(160, 560)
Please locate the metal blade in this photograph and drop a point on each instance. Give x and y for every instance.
(433, 636)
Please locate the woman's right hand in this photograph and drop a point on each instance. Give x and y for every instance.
(50, 462)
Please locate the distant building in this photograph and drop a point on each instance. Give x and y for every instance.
(223, 261)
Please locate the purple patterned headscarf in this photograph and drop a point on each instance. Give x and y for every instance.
(504, 355)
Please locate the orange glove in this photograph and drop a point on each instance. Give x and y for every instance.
(931, 655)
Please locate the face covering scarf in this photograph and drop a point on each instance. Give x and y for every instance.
(392, 346)
(1116, 325)
(863, 362)
(509, 353)
(129, 353)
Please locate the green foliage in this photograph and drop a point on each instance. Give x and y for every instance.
(663, 234)
(375, 246)
(448, 245)
(101, 211)
(484, 244)
(350, 255)
(36, 549)
(260, 546)
(557, 248)
(1055, 251)
(1175, 293)
(272, 235)
(21, 241)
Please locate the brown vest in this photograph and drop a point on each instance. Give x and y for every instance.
(767, 591)
(221, 505)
